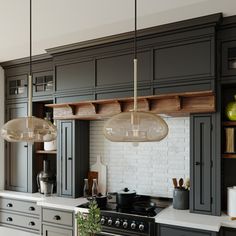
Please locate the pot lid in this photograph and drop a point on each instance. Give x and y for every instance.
(127, 191)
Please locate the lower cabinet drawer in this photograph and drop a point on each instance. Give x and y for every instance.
(56, 231)
(58, 217)
(27, 222)
(166, 230)
(19, 205)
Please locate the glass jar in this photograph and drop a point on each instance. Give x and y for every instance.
(86, 188)
(95, 187)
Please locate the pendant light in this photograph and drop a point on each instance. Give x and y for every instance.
(135, 126)
(29, 129)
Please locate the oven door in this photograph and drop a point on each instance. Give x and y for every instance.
(113, 232)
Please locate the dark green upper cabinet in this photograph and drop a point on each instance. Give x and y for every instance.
(186, 62)
(75, 76)
(16, 86)
(229, 58)
(43, 83)
(118, 69)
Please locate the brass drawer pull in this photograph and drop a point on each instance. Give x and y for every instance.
(56, 217)
(9, 219)
(9, 205)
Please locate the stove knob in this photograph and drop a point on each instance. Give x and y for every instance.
(133, 225)
(141, 227)
(117, 223)
(103, 221)
(125, 224)
(109, 222)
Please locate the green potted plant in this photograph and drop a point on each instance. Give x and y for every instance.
(89, 224)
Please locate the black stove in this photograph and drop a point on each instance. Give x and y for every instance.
(128, 221)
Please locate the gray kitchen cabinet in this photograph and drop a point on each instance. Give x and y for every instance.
(20, 214)
(57, 222)
(169, 230)
(17, 157)
(43, 83)
(56, 231)
(73, 157)
(16, 86)
(202, 144)
(227, 231)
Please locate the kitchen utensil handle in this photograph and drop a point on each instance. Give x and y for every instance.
(174, 180)
(181, 182)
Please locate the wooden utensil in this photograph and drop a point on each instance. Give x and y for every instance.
(174, 180)
(181, 183)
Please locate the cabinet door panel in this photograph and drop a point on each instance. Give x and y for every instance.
(56, 231)
(66, 146)
(184, 61)
(75, 76)
(201, 159)
(179, 231)
(16, 86)
(119, 69)
(16, 155)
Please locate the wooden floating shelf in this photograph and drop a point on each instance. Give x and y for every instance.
(229, 155)
(46, 152)
(229, 123)
(179, 104)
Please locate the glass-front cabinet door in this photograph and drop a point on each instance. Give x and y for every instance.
(17, 86)
(43, 83)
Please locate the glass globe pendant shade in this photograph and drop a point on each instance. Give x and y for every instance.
(135, 126)
(29, 129)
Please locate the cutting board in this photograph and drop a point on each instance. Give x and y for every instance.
(102, 175)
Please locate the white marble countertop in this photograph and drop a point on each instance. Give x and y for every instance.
(53, 201)
(168, 216)
(184, 218)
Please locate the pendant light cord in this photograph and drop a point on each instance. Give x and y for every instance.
(30, 67)
(135, 56)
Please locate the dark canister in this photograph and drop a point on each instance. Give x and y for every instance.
(181, 198)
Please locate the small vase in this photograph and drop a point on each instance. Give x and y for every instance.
(230, 110)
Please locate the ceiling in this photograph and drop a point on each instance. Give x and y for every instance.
(60, 22)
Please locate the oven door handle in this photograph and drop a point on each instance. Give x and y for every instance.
(108, 234)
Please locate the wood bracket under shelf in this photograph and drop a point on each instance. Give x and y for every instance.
(171, 104)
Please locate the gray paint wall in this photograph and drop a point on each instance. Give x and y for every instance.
(2, 113)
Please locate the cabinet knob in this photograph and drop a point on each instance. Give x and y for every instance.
(9, 205)
(56, 217)
(31, 208)
(198, 163)
(69, 158)
(9, 219)
(31, 223)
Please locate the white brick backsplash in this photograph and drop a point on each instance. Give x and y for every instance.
(149, 167)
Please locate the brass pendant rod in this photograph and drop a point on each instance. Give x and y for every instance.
(30, 67)
(135, 56)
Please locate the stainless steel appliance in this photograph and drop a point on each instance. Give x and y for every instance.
(131, 221)
(46, 179)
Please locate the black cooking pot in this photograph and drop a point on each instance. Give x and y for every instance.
(125, 198)
(101, 200)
